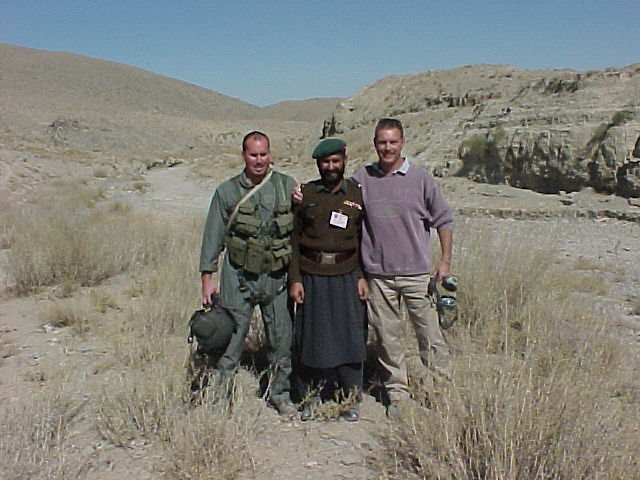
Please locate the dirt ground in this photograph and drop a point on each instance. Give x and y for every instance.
(589, 228)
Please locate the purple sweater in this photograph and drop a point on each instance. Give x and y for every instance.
(400, 209)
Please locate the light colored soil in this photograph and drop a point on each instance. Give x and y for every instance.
(332, 449)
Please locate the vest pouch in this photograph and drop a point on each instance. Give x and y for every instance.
(284, 223)
(237, 250)
(281, 253)
(247, 224)
(257, 254)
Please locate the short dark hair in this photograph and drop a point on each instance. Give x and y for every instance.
(389, 124)
(254, 134)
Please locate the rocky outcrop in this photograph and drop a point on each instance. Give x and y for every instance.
(547, 131)
(551, 161)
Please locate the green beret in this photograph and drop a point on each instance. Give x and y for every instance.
(327, 147)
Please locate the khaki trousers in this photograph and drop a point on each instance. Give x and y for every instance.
(385, 296)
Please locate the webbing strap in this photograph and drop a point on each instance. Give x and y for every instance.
(247, 196)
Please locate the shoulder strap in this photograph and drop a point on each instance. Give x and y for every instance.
(244, 199)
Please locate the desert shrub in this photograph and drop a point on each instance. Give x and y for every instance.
(481, 159)
(8, 219)
(69, 313)
(165, 300)
(599, 134)
(499, 135)
(621, 116)
(198, 440)
(591, 283)
(102, 302)
(501, 277)
(65, 243)
(476, 145)
(100, 172)
(538, 382)
(34, 438)
(635, 306)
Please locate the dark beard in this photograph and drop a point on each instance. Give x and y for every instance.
(332, 181)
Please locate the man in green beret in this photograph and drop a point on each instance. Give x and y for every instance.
(403, 205)
(250, 218)
(327, 283)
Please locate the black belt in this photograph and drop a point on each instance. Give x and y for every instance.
(327, 258)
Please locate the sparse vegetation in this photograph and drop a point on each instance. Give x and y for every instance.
(535, 385)
(64, 243)
(144, 400)
(100, 172)
(69, 313)
(198, 441)
(621, 116)
(599, 134)
(476, 145)
(601, 131)
(635, 309)
(480, 157)
(40, 447)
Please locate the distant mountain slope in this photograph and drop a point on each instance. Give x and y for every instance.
(311, 110)
(46, 80)
(93, 104)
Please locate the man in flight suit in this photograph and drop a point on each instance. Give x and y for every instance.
(250, 218)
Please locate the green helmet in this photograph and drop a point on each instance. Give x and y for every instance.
(212, 327)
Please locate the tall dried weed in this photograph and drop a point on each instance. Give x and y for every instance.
(74, 245)
(34, 438)
(537, 382)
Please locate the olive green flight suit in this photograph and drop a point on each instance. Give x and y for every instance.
(258, 275)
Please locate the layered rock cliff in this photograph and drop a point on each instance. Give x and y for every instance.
(548, 131)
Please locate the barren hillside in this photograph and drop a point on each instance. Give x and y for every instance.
(543, 130)
(92, 104)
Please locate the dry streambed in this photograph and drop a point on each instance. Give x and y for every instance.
(602, 250)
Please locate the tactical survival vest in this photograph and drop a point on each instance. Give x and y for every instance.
(259, 246)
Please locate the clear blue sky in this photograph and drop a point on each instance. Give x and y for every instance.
(267, 51)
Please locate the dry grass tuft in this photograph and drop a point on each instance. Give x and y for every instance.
(69, 313)
(34, 439)
(538, 382)
(139, 391)
(204, 439)
(69, 244)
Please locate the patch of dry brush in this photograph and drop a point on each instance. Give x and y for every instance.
(134, 394)
(542, 390)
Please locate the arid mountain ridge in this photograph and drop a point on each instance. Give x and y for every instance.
(92, 104)
(543, 130)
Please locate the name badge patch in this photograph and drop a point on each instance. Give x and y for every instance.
(338, 219)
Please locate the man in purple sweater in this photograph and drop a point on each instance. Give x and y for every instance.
(402, 204)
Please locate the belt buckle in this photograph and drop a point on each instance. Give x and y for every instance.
(328, 258)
